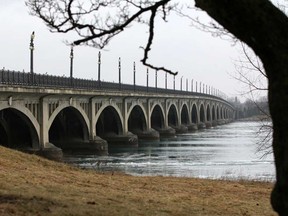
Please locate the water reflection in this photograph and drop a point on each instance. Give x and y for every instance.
(227, 151)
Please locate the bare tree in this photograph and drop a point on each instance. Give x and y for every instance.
(258, 23)
(250, 72)
(249, 21)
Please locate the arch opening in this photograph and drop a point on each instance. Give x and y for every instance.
(202, 113)
(68, 128)
(136, 120)
(184, 115)
(109, 123)
(194, 116)
(172, 116)
(208, 113)
(217, 113)
(17, 130)
(157, 118)
(213, 114)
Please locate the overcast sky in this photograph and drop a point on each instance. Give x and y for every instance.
(178, 46)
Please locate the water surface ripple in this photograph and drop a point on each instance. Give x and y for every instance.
(228, 151)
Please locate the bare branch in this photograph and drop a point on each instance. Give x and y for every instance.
(97, 22)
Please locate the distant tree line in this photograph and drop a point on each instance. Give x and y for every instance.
(258, 108)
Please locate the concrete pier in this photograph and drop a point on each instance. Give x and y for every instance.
(148, 135)
(127, 140)
(201, 125)
(51, 152)
(166, 132)
(180, 129)
(192, 127)
(208, 124)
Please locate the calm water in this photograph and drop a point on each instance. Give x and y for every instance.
(227, 151)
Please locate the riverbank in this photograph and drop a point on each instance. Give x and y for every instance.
(30, 185)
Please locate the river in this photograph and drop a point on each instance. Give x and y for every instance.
(226, 152)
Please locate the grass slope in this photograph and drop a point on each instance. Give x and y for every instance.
(30, 185)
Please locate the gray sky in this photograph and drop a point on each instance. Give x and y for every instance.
(178, 46)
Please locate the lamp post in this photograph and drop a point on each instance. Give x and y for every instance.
(147, 77)
(203, 88)
(99, 68)
(192, 85)
(181, 83)
(134, 75)
(119, 69)
(71, 65)
(156, 81)
(31, 56)
(166, 80)
(196, 86)
(174, 81)
(200, 87)
(187, 84)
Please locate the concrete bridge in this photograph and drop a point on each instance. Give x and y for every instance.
(39, 112)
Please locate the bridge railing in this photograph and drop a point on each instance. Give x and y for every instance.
(45, 80)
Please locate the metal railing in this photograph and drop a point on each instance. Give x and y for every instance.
(45, 80)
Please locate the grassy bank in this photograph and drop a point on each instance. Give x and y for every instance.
(30, 185)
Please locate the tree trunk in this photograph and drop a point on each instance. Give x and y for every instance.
(264, 28)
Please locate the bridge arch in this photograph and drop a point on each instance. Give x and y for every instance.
(62, 107)
(202, 113)
(208, 113)
(68, 127)
(157, 117)
(172, 116)
(214, 118)
(184, 115)
(109, 121)
(194, 114)
(18, 128)
(137, 119)
(226, 113)
(217, 112)
(221, 113)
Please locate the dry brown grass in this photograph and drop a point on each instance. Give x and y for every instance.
(30, 185)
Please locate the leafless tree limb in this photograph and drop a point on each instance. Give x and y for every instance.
(97, 22)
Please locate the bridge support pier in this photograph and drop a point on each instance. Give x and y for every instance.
(214, 123)
(125, 140)
(51, 152)
(180, 129)
(201, 125)
(147, 135)
(96, 146)
(221, 122)
(208, 124)
(192, 127)
(166, 132)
